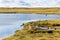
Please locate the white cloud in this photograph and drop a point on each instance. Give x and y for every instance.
(29, 3)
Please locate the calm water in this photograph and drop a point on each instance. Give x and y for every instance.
(9, 23)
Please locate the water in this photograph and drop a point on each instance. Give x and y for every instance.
(9, 23)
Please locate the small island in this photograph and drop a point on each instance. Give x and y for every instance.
(38, 30)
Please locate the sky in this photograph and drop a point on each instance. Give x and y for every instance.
(29, 3)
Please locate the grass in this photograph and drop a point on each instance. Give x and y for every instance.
(31, 10)
(26, 35)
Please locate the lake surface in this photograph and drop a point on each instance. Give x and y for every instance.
(9, 23)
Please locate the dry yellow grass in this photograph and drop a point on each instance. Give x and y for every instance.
(31, 10)
(26, 35)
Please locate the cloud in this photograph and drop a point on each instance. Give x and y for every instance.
(29, 3)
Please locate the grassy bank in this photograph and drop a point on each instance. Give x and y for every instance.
(26, 35)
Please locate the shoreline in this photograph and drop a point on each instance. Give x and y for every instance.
(6, 36)
(19, 29)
